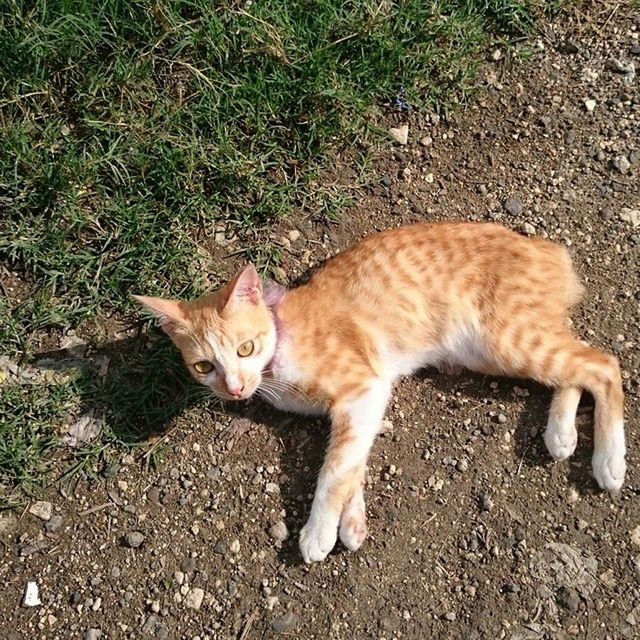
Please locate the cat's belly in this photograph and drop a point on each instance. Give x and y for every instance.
(462, 348)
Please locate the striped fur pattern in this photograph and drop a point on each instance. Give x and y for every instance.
(449, 295)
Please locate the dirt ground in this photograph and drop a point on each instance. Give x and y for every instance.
(474, 531)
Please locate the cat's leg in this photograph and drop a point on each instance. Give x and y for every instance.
(561, 435)
(354, 425)
(353, 521)
(561, 361)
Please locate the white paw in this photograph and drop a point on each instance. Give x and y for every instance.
(609, 468)
(317, 538)
(561, 439)
(353, 523)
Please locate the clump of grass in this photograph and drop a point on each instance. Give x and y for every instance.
(128, 128)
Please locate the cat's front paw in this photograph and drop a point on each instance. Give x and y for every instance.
(317, 538)
(353, 523)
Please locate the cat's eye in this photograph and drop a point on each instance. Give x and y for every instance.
(203, 367)
(245, 349)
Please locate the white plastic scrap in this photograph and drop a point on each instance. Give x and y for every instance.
(31, 595)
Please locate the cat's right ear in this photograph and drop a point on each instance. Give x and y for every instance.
(170, 313)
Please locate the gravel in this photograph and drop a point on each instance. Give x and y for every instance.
(285, 623)
(42, 510)
(134, 539)
(513, 205)
(194, 598)
(279, 531)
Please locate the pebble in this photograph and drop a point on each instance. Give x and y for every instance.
(386, 181)
(188, 565)
(462, 465)
(162, 632)
(294, 235)
(193, 599)
(568, 598)
(179, 577)
(502, 419)
(93, 634)
(272, 487)
(285, 623)
(630, 215)
(54, 524)
(134, 539)
(41, 510)
(235, 547)
(400, 134)
(634, 156)
(450, 616)
(279, 531)
(529, 229)
(513, 205)
(486, 502)
(31, 595)
(621, 163)
(427, 141)
(590, 105)
(220, 548)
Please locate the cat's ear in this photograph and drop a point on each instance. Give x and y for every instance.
(245, 287)
(170, 313)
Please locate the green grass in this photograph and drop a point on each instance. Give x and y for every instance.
(130, 128)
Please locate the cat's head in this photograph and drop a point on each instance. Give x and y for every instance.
(226, 338)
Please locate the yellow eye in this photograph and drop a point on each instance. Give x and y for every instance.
(203, 367)
(245, 349)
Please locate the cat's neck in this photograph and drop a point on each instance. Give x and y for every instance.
(273, 294)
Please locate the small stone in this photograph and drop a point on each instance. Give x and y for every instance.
(294, 235)
(279, 531)
(42, 510)
(150, 624)
(486, 502)
(153, 495)
(220, 548)
(54, 524)
(511, 587)
(287, 622)
(426, 141)
(400, 134)
(386, 181)
(621, 163)
(496, 55)
(581, 524)
(179, 578)
(462, 465)
(630, 215)
(501, 418)
(31, 595)
(450, 616)
(272, 487)
(590, 105)
(529, 229)
(608, 578)
(134, 539)
(513, 205)
(235, 547)
(634, 156)
(162, 632)
(568, 598)
(93, 634)
(193, 599)
(188, 565)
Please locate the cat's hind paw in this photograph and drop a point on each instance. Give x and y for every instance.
(561, 440)
(608, 463)
(316, 541)
(353, 523)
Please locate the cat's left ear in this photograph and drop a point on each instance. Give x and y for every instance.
(245, 287)
(170, 313)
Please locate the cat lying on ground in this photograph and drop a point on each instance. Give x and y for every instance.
(445, 294)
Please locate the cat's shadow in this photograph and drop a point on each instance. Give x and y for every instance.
(140, 386)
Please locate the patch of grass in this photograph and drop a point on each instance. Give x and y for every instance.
(128, 126)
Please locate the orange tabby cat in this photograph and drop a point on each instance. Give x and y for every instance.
(447, 294)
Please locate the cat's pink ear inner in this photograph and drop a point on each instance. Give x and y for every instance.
(170, 313)
(246, 286)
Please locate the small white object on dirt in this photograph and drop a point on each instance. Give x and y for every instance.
(193, 599)
(31, 595)
(630, 215)
(84, 431)
(400, 134)
(590, 105)
(635, 536)
(42, 510)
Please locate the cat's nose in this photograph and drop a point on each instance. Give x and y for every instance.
(235, 390)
